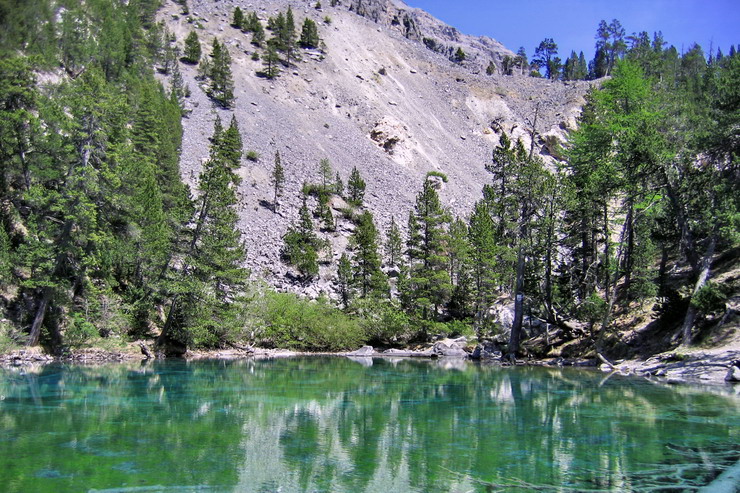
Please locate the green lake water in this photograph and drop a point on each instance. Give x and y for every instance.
(333, 424)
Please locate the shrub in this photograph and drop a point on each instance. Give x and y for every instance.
(382, 321)
(252, 155)
(297, 323)
(80, 331)
(710, 298)
(438, 174)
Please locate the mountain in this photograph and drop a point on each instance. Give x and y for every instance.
(376, 98)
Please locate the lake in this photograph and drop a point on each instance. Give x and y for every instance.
(318, 424)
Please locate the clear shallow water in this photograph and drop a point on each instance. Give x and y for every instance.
(332, 424)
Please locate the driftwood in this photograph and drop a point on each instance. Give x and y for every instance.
(146, 351)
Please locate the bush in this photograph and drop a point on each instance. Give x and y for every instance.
(710, 298)
(252, 155)
(80, 332)
(438, 174)
(297, 323)
(382, 321)
(10, 338)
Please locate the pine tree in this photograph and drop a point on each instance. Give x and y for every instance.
(204, 310)
(258, 32)
(367, 276)
(300, 245)
(355, 188)
(338, 185)
(309, 34)
(238, 21)
(192, 49)
(459, 56)
(429, 286)
(545, 56)
(221, 86)
(394, 244)
(344, 280)
(271, 61)
(278, 180)
(483, 259)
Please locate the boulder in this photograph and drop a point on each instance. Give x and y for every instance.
(486, 350)
(363, 351)
(448, 349)
(733, 373)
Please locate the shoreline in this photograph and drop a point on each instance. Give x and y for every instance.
(719, 367)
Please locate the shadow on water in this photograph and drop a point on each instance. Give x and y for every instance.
(334, 424)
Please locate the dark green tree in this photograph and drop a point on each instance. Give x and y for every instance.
(309, 34)
(355, 188)
(238, 20)
(221, 86)
(300, 245)
(192, 49)
(428, 286)
(545, 56)
(393, 244)
(278, 180)
(368, 279)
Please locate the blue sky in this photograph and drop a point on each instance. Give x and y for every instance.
(572, 23)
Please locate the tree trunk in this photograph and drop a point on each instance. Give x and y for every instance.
(38, 319)
(692, 312)
(516, 327)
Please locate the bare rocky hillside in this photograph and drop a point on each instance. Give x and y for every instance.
(377, 99)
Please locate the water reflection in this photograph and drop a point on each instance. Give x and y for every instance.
(331, 424)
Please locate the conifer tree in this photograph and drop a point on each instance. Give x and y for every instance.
(192, 49)
(278, 180)
(545, 55)
(355, 188)
(394, 244)
(344, 280)
(238, 21)
(309, 34)
(271, 61)
(338, 185)
(428, 288)
(300, 245)
(368, 279)
(204, 309)
(483, 257)
(221, 86)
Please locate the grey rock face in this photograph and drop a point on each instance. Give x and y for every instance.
(326, 111)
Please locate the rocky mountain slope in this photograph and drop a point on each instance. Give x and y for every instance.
(377, 99)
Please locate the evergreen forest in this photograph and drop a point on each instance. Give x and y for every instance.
(102, 243)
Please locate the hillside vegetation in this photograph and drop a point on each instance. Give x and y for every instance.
(182, 173)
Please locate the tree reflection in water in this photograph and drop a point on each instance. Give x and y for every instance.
(332, 424)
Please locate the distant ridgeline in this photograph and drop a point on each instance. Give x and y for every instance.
(100, 240)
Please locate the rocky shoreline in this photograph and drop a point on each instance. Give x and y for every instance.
(717, 367)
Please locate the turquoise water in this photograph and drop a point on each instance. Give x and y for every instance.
(333, 424)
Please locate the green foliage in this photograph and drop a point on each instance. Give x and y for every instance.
(271, 61)
(238, 20)
(252, 155)
(355, 188)
(296, 323)
(383, 322)
(711, 298)
(368, 279)
(301, 245)
(309, 34)
(393, 244)
(192, 49)
(221, 85)
(277, 178)
(80, 332)
(438, 174)
(459, 56)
